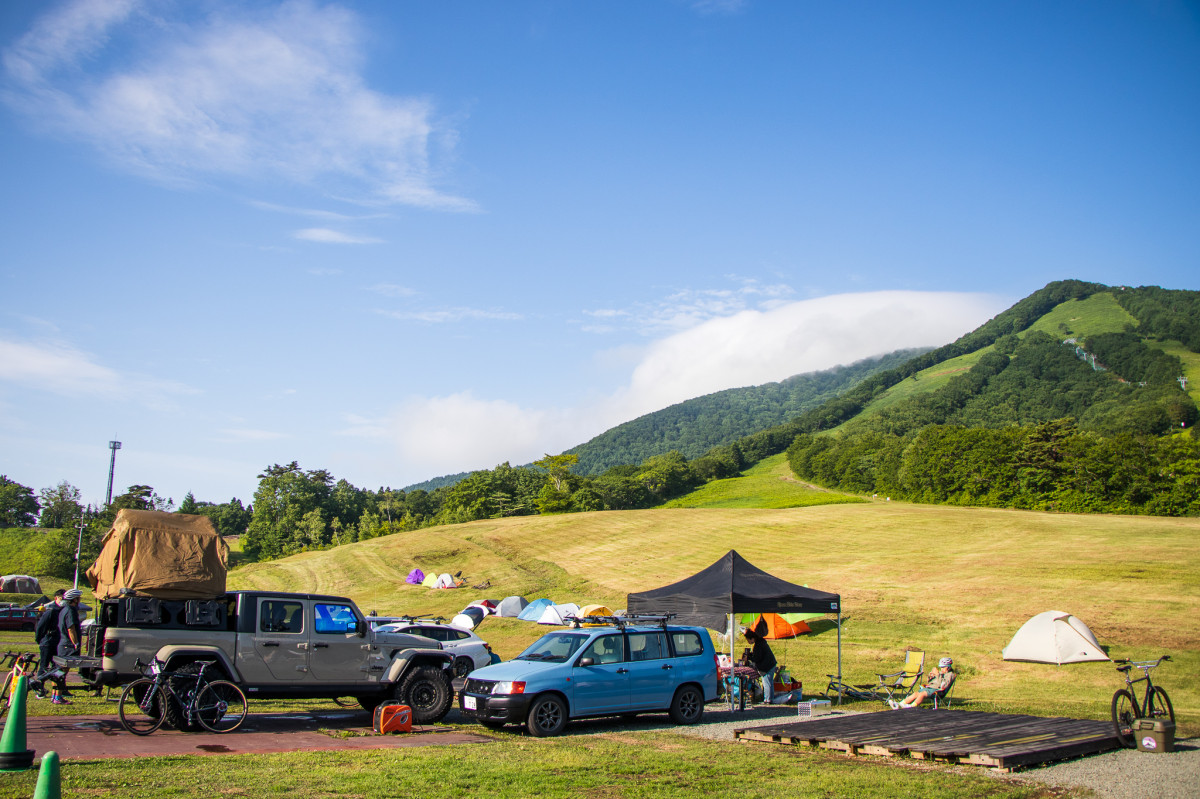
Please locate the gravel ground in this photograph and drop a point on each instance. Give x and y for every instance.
(1123, 774)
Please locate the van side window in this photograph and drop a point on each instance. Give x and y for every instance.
(686, 643)
(276, 616)
(647, 646)
(606, 649)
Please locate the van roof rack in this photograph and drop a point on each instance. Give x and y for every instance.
(643, 619)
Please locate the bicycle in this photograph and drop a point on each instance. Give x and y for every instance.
(20, 664)
(216, 705)
(1126, 710)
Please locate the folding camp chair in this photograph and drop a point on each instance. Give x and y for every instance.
(944, 699)
(899, 684)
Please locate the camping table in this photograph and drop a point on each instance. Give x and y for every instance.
(743, 673)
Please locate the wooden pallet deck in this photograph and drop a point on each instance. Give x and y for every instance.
(996, 740)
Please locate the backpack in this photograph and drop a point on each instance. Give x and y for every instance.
(47, 624)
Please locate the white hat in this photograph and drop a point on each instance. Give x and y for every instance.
(72, 593)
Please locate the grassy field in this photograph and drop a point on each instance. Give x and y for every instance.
(952, 581)
(767, 484)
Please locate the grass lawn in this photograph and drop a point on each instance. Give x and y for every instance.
(767, 484)
(638, 764)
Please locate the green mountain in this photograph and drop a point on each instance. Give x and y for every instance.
(695, 426)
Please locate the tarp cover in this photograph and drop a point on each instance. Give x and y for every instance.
(163, 555)
(1054, 637)
(19, 584)
(731, 585)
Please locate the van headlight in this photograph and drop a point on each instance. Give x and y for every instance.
(509, 687)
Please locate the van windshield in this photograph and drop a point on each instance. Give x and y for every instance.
(554, 647)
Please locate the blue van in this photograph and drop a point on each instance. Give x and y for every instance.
(623, 666)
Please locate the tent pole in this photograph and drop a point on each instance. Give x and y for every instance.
(839, 624)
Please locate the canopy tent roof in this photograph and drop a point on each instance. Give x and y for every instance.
(731, 585)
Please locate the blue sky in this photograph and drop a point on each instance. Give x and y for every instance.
(399, 240)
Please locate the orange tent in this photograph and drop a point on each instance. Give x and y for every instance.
(774, 626)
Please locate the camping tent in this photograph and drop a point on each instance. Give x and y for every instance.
(415, 577)
(776, 626)
(19, 584)
(557, 614)
(533, 610)
(595, 610)
(430, 580)
(439, 581)
(470, 617)
(162, 555)
(1054, 637)
(710, 597)
(511, 606)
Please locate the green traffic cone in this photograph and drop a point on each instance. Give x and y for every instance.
(13, 754)
(48, 785)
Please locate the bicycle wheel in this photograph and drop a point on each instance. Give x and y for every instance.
(1124, 712)
(1159, 705)
(141, 707)
(220, 707)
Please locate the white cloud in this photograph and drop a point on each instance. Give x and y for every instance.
(462, 432)
(327, 236)
(392, 290)
(61, 369)
(447, 315)
(243, 92)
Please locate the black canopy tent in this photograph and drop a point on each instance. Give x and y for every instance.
(710, 597)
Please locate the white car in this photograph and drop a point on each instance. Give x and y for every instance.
(470, 651)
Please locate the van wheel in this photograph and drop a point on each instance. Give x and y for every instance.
(688, 705)
(463, 666)
(547, 716)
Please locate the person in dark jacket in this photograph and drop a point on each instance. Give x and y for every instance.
(70, 632)
(46, 634)
(763, 661)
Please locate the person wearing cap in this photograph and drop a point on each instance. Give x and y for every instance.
(46, 634)
(937, 683)
(70, 632)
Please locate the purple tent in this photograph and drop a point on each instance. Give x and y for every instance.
(415, 577)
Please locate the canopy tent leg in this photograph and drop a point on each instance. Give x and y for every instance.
(839, 624)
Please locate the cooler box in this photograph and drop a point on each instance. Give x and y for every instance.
(1154, 735)
(393, 718)
(813, 707)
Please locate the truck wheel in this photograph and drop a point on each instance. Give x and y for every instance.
(369, 703)
(175, 715)
(547, 716)
(428, 691)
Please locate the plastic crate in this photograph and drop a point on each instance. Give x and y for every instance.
(1154, 735)
(813, 708)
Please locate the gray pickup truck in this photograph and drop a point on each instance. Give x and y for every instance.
(274, 646)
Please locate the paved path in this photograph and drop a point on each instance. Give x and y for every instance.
(91, 737)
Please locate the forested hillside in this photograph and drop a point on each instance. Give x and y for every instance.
(696, 426)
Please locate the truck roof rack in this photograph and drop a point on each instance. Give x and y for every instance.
(636, 619)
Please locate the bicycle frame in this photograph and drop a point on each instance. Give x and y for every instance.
(1144, 708)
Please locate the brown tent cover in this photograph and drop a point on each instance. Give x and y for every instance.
(163, 555)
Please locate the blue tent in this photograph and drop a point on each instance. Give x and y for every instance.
(533, 611)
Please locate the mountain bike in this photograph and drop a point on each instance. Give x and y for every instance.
(216, 705)
(1126, 709)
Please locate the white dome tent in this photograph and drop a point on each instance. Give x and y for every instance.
(1054, 637)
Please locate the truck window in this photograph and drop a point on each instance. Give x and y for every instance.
(333, 619)
(277, 616)
(647, 646)
(686, 643)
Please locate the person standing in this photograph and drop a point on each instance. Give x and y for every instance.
(46, 635)
(70, 633)
(763, 661)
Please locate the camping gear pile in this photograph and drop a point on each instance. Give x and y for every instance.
(161, 555)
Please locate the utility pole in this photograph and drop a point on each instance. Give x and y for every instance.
(112, 464)
(78, 550)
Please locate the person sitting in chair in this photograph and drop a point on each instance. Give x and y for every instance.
(763, 660)
(937, 683)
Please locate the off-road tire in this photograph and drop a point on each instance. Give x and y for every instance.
(176, 717)
(428, 691)
(688, 705)
(547, 716)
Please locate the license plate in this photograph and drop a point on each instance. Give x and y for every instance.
(469, 703)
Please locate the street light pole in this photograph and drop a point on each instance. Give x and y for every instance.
(112, 464)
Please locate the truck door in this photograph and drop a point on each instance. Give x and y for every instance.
(281, 640)
(337, 654)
